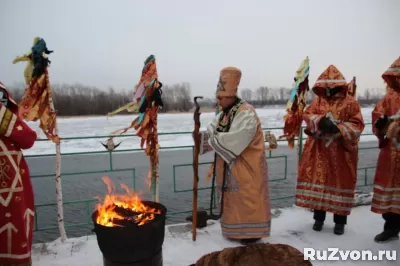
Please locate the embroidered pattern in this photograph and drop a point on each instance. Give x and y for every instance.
(16, 184)
(4, 169)
(224, 123)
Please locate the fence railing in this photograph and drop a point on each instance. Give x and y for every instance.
(89, 201)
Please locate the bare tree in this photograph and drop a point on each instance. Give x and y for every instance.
(367, 94)
(262, 94)
(246, 95)
(284, 94)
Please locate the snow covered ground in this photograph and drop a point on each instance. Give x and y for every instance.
(101, 126)
(291, 226)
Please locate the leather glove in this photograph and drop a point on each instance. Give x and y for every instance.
(382, 122)
(334, 129)
(327, 126)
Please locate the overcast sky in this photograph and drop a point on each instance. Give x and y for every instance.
(104, 43)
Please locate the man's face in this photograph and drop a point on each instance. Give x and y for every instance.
(330, 92)
(225, 101)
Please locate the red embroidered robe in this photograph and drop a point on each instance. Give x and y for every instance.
(16, 193)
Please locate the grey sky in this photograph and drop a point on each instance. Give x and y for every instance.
(103, 43)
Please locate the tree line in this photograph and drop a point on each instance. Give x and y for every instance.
(78, 99)
(264, 96)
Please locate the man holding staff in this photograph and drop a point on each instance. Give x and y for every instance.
(241, 171)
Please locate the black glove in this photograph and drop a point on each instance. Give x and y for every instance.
(327, 126)
(334, 129)
(381, 122)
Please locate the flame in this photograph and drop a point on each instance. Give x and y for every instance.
(107, 215)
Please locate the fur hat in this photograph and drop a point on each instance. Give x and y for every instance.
(229, 80)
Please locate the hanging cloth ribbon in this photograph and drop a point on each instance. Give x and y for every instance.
(147, 97)
(296, 104)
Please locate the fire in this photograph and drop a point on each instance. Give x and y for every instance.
(130, 201)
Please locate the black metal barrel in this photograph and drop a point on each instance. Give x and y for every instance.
(156, 260)
(130, 244)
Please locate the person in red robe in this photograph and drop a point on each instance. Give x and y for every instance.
(386, 198)
(328, 167)
(16, 193)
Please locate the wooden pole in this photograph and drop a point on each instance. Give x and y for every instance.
(196, 136)
(60, 206)
(154, 161)
(156, 170)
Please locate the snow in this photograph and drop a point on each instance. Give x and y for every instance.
(292, 226)
(361, 198)
(181, 122)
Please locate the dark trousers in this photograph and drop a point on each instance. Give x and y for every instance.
(392, 221)
(338, 219)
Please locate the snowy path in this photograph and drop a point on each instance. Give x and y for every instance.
(292, 227)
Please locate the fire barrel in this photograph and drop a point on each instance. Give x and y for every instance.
(130, 244)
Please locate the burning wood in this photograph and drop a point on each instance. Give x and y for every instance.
(123, 209)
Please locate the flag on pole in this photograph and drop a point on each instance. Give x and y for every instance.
(296, 103)
(147, 98)
(37, 102)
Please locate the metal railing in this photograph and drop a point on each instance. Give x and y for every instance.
(111, 169)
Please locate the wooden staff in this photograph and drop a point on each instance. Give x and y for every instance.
(196, 137)
(59, 194)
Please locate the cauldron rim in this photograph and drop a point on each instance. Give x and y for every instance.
(160, 206)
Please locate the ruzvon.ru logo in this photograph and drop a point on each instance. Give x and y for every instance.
(336, 254)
